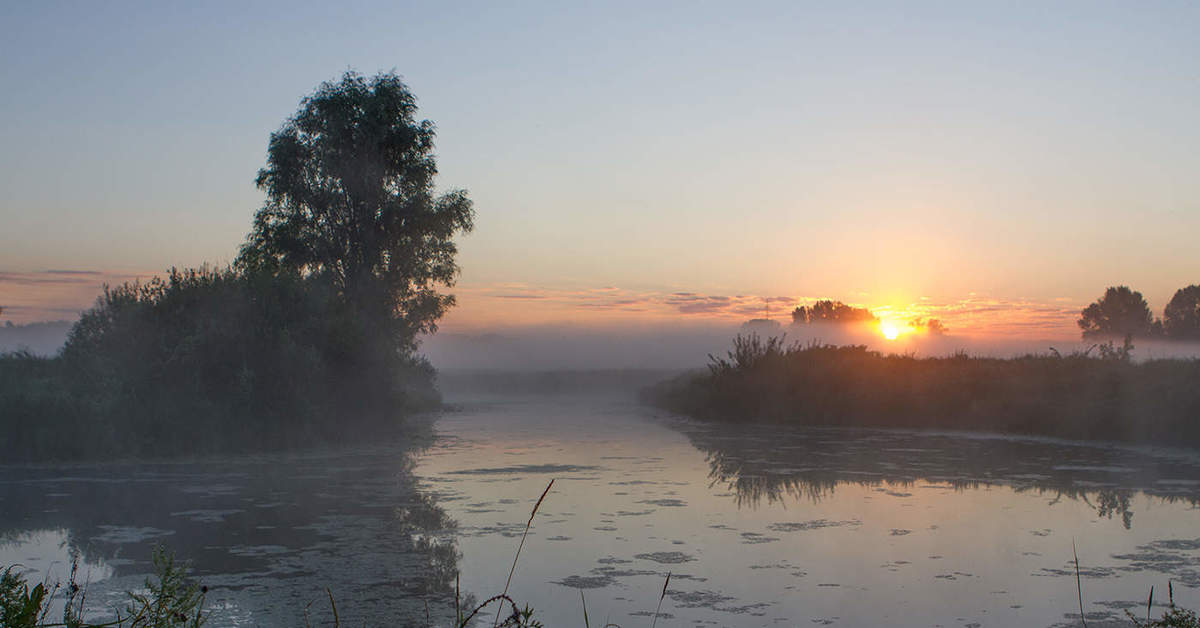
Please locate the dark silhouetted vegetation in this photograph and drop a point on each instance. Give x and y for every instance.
(1105, 395)
(1181, 317)
(1120, 312)
(350, 200)
(827, 311)
(931, 326)
(204, 361)
(1124, 312)
(309, 337)
(171, 599)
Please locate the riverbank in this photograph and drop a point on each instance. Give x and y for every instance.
(1101, 395)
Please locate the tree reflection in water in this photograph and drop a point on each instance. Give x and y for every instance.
(776, 464)
(267, 534)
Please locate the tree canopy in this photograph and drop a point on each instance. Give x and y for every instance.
(1120, 312)
(309, 337)
(828, 311)
(350, 197)
(1181, 317)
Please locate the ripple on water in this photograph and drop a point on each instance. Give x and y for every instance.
(121, 535)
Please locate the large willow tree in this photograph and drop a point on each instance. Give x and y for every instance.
(350, 199)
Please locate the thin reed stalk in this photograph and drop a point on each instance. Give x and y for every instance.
(660, 600)
(528, 524)
(1078, 584)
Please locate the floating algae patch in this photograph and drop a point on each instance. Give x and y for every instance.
(666, 558)
(753, 538)
(526, 469)
(665, 502)
(816, 524)
(586, 582)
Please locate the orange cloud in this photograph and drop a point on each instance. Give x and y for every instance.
(54, 294)
(481, 306)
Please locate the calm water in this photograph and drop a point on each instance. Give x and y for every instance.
(759, 527)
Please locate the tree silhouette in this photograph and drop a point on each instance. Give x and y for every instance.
(1181, 317)
(349, 182)
(932, 326)
(1120, 312)
(828, 311)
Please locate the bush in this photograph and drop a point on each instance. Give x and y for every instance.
(209, 360)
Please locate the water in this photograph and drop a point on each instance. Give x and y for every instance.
(758, 527)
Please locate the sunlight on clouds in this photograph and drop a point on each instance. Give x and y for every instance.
(512, 304)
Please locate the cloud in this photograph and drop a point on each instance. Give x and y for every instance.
(483, 306)
(55, 294)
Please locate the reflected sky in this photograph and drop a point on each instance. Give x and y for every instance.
(767, 527)
(758, 526)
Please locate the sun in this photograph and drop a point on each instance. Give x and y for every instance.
(889, 330)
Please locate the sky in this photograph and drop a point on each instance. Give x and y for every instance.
(995, 165)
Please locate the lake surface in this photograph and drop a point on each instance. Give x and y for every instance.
(758, 526)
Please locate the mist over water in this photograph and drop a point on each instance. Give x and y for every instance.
(685, 346)
(758, 525)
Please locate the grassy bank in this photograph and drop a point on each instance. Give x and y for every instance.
(1100, 394)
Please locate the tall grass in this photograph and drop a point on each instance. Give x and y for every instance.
(1102, 396)
(171, 599)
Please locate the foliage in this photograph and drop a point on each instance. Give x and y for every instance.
(20, 605)
(309, 337)
(827, 311)
(208, 360)
(1174, 617)
(171, 600)
(349, 184)
(932, 326)
(1181, 317)
(1120, 312)
(1108, 396)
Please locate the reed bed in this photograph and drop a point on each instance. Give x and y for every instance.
(1099, 394)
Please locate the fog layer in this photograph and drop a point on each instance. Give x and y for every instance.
(679, 347)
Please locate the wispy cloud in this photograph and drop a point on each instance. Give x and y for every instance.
(63, 293)
(973, 314)
(55, 294)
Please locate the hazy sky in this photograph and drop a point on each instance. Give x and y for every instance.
(994, 164)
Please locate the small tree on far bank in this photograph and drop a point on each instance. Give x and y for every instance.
(1120, 312)
(1181, 317)
(828, 311)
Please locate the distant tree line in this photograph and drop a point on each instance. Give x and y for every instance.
(1125, 312)
(828, 311)
(309, 336)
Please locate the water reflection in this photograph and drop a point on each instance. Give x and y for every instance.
(266, 534)
(774, 465)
